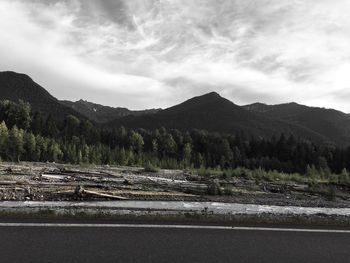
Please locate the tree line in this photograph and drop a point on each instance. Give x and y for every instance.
(28, 136)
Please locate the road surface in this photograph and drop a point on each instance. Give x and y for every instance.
(41, 242)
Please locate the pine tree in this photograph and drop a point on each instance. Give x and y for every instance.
(187, 153)
(55, 152)
(29, 146)
(15, 143)
(136, 142)
(37, 123)
(51, 129)
(4, 135)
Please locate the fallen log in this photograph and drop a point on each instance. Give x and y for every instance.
(55, 176)
(80, 192)
(10, 183)
(104, 195)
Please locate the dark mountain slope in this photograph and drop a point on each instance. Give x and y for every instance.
(332, 124)
(213, 113)
(208, 112)
(15, 86)
(102, 114)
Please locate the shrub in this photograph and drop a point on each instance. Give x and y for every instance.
(151, 168)
(214, 188)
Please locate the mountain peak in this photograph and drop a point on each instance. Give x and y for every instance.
(207, 98)
(12, 74)
(212, 94)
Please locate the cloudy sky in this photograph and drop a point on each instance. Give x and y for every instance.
(156, 53)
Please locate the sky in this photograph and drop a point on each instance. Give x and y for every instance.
(157, 53)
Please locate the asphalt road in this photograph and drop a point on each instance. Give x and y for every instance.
(96, 243)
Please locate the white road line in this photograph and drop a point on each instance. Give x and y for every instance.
(64, 225)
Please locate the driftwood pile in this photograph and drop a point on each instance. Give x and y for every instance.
(28, 181)
(57, 182)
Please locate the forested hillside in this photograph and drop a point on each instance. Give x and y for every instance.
(214, 113)
(15, 87)
(332, 124)
(29, 136)
(209, 112)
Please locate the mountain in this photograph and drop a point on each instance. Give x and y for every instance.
(214, 113)
(208, 112)
(15, 86)
(102, 114)
(332, 124)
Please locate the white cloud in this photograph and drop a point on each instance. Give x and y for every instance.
(145, 53)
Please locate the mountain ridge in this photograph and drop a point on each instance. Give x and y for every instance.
(209, 111)
(333, 124)
(100, 113)
(216, 114)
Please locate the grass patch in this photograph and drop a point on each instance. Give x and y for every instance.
(317, 177)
